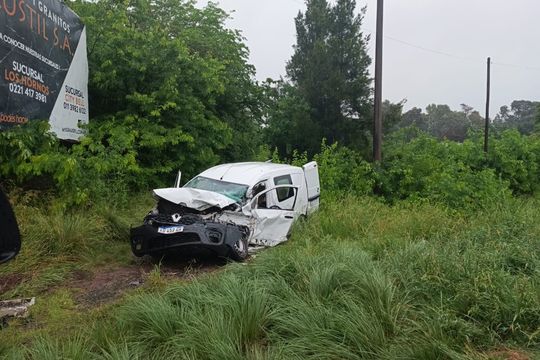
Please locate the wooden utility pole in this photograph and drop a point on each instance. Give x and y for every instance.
(377, 123)
(486, 130)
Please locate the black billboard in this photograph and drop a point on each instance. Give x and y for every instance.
(43, 65)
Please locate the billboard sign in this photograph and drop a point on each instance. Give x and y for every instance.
(43, 66)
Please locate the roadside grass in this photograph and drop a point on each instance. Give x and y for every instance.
(359, 280)
(57, 242)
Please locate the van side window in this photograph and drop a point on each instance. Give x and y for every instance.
(284, 193)
(261, 201)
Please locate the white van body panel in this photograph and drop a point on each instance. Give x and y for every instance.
(313, 185)
(277, 195)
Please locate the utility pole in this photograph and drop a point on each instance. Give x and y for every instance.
(486, 130)
(377, 125)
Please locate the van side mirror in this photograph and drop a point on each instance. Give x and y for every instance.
(178, 178)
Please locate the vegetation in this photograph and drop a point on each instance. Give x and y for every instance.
(178, 113)
(430, 254)
(359, 280)
(329, 75)
(521, 115)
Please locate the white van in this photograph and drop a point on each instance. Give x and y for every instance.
(228, 207)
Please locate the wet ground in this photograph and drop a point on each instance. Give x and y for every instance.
(9, 281)
(105, 284)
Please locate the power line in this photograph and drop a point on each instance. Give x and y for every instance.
(427, 49)
(525, 67)
(423, 48)
(447, 54)
(444, 53)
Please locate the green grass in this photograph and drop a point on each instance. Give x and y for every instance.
(57, 242)
(359, 280)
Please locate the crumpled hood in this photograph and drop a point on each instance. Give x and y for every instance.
(196, 199)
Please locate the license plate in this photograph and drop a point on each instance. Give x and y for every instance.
(170, 229)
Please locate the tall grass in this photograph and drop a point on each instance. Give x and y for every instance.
(57, 241)
(360, 280)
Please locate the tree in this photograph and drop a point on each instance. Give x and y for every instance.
(537, 121)
(169, 84)
(414, 117)
(289, 120)
(521, 116)
(329, 68)
(392, 115)
(442, 122)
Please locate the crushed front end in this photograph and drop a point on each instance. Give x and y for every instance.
(171, 227)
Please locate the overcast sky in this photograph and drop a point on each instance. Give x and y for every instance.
(459, 34)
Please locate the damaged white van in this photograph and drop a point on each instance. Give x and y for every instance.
(228, 207)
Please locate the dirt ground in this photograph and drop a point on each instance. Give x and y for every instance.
(109, 283)
(508, 354)
(106, 284)
(10, 281)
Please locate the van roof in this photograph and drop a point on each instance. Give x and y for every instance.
(246, 173)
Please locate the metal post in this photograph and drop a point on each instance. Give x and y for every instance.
(486, 130)
(377, 126)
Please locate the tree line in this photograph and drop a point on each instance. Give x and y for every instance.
(171, 88)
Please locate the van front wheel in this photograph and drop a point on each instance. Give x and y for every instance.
(239, 251)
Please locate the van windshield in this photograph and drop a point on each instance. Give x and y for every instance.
(237, 192)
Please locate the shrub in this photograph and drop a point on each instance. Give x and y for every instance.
(517, 159)
(342, 169)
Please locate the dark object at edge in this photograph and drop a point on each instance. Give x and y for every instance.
(10, 238)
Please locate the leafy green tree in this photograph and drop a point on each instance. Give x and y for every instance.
(289, 122)
(414, 117)
(171, 82)
(521, 116)
(445, 123)
(442, 122)
(537, 122)
(169, 88)
(392, 115)
(330, 70)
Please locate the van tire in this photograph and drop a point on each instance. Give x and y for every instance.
(239, 251)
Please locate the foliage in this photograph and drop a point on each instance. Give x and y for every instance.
(342, 169)
(521, 116)
(329, 70)
(517, 158)
(169, 86)
(192, 77)
(392, 115)
(31, 156)
(30, 152)
(425, 168)
(289, 125)
(420, 168)
(537, 120)
(442, 122)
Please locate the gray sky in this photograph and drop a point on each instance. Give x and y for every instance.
(459, 33)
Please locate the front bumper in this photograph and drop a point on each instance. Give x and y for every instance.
(217, 237)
